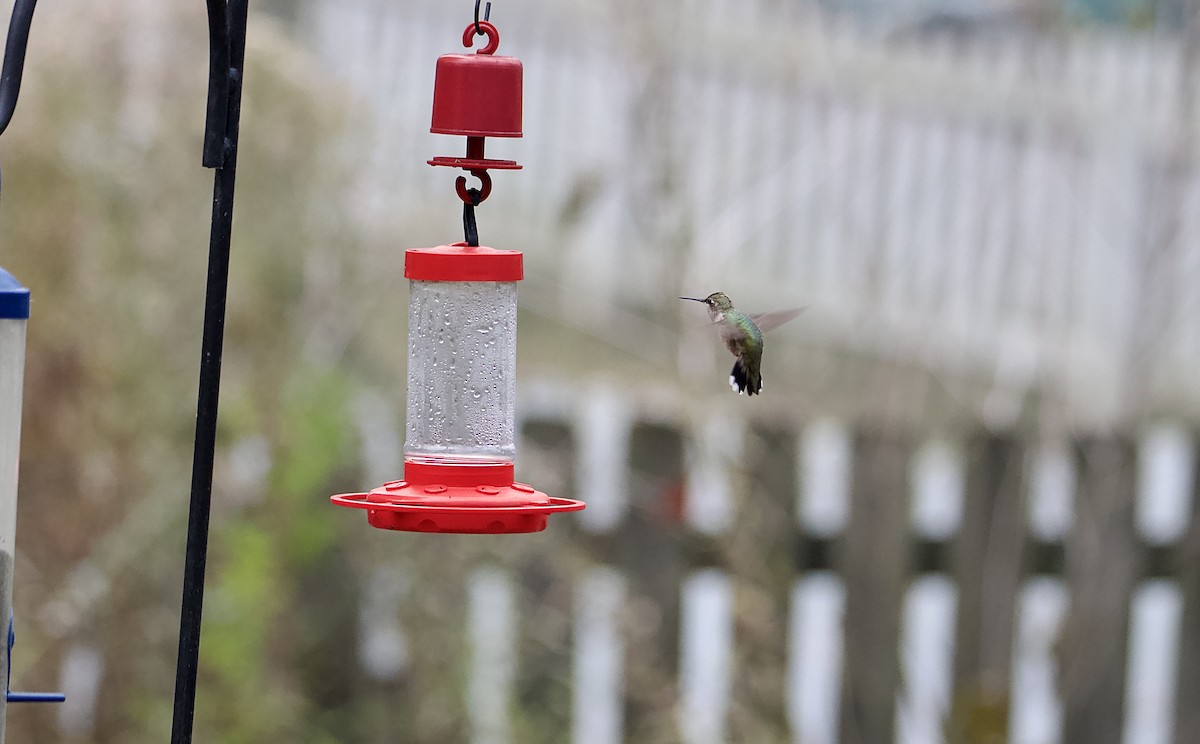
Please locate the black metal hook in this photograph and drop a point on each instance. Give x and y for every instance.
(470, 228)
(14, 59)
(487, 16)
(472, 198)
(221, 76)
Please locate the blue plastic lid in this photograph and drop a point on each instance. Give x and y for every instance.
(14, 298)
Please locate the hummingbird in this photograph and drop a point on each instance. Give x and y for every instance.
(743, 336)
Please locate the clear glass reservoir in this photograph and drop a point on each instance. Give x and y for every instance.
(462, 371)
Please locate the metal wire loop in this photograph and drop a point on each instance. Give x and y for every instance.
(485, 187)
(487, 15)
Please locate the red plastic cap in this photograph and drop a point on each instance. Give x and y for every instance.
(461, 498)
(477, 95)
(462, 263)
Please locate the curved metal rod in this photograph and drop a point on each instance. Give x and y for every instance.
(14, 59)
(219, 70)
(218, 74)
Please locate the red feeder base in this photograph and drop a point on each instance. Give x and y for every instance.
(457, 497)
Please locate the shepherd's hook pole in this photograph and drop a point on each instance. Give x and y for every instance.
(227, 40)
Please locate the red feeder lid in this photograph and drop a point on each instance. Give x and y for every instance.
(445, 497)
(462, 263)
(478, 95)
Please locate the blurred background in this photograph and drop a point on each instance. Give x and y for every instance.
(962, 511)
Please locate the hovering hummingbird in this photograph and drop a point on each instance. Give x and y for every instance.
(743, 336)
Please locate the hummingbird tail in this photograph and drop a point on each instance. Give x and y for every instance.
(745, 380)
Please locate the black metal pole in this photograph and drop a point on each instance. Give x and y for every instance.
(224, 94)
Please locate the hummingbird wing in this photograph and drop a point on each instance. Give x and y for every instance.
(768, 321)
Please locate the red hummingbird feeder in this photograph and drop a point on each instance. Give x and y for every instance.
(460, 441)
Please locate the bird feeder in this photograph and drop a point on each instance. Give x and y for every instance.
(14, 314)
(460, 441)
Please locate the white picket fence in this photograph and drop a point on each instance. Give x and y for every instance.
(1001, 203)
(1004, 204)
(601, 421)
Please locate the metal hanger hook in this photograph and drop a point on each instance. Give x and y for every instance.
(487, 15)
(485, 186)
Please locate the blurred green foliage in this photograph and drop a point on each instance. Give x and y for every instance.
(106, 216)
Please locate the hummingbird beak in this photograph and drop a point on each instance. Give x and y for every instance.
(693, 299)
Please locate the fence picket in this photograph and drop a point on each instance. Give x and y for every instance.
(815, 657)
(1036, 714)
(1153, 663)
(491, 616)
(706, 656)
(597, 710)
(927, 658)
